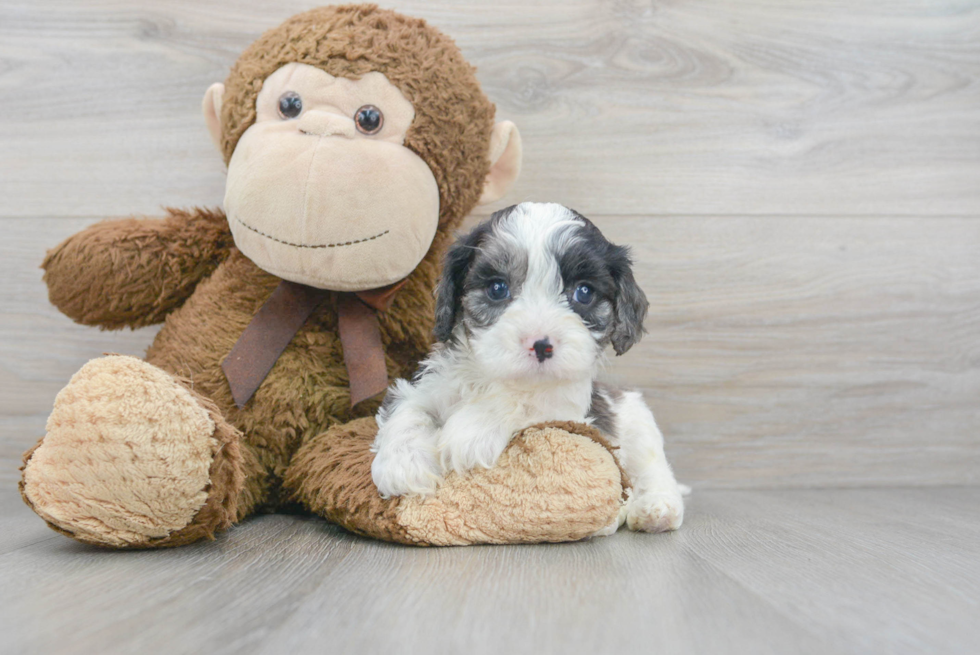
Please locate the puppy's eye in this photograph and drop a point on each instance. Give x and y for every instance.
(498, 290)
(290, 105)
(583, 294)
(369, 119)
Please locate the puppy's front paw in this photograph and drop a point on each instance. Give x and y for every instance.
(656, 511)
(461, 451)
(405, 471)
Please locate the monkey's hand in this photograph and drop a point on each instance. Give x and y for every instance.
(133, 272)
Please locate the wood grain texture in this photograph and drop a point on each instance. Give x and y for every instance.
(795, 351)
(811, 351)
(626, 106)
(800, 183)
(817, 571)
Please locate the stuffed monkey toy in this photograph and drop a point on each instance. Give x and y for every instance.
(356, 140)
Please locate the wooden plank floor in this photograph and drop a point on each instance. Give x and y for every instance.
(800, 183)
(811, 107)
(803, 571)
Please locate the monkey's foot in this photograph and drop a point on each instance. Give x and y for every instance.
(132, 458)
(554, 482)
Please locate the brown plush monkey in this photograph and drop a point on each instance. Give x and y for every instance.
(356, 140)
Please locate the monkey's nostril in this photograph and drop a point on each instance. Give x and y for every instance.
(543, 349)
(323, 123)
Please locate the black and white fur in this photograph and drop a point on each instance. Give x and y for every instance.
(504, 363)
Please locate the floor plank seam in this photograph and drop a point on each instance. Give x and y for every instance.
(33, 543)
(827, 647)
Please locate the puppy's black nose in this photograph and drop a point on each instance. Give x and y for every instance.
(543, 349)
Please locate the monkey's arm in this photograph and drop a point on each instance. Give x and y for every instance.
(133, 272)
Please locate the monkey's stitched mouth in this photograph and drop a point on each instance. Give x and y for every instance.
(324, 136)
(339, 244)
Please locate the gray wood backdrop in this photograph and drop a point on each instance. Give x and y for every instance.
(800, 182)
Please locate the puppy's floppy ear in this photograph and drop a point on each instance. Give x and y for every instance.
(631, 302)
(457, 264)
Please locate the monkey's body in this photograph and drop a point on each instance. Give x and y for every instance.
(307, 390)
(156, 452)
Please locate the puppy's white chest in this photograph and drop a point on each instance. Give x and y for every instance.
(521, 407)
(557, 407)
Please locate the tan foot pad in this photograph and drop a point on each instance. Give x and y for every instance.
(126, 457)
(549, 485)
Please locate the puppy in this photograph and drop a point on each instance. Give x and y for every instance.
(527, 304)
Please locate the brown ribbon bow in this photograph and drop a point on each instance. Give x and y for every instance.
(284, 313)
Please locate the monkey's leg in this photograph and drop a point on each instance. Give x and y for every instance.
(133, 458)
(552, 483)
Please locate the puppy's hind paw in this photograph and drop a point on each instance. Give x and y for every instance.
(656, 511)
(615, 525)
(405, 472)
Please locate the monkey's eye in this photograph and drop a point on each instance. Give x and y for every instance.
(290, 105)
(498, 290)
(583, 295)
(369, 119)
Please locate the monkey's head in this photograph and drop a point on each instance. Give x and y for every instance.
(352, 135)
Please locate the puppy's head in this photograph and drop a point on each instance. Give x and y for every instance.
(536, 290)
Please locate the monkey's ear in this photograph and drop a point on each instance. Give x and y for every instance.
(211, 106)
(505, 161)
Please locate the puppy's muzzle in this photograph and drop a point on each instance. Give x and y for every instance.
(543, 349)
